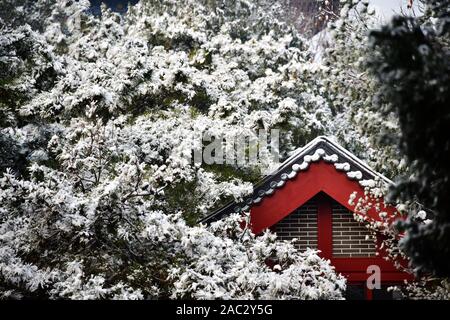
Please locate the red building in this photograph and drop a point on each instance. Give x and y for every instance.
(307, 198)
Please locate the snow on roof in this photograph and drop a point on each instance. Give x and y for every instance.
(320, 148)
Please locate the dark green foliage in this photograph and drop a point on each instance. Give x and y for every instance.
(412, 63)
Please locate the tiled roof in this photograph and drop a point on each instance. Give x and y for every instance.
(318, 149)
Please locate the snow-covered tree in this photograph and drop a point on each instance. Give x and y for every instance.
(98, 196)
(413, 69)
(350, 89)
(388, 111)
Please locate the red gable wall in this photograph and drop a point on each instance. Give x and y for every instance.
(322, 177)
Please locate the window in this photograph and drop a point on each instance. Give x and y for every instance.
(355, 292)
(384, 294)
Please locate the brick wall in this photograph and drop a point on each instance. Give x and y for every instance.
(349, 236)
(301, 224)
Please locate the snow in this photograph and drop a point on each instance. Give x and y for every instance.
(345, 166)
(319, 153)
(108, 182)
(355, 175)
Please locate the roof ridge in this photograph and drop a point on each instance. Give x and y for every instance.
(313, 151)
(358, 160)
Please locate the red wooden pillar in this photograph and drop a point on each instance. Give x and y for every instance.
(324, 226)
(368, 292)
